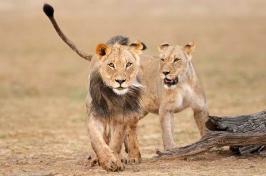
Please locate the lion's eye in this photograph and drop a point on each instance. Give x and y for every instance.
(177, 59)
(162, 59)
(128, 64)
(111, 65)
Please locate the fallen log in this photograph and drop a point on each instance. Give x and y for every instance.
(245, 134)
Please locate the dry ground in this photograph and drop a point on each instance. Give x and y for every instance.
(43, 83)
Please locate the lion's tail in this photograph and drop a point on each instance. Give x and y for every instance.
(49, 11)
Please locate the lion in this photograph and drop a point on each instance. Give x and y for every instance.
(171, 84)
(125, 86)
(113, 100)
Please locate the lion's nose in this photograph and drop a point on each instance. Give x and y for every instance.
(166, 73)
(120, 81)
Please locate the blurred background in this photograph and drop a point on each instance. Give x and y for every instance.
(43, 83)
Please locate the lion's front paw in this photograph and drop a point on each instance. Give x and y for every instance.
(93, 159)
(134, 159)
(112, 164)
(170, 147)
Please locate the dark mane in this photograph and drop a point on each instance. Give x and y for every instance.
(118, 39)
(106, 103)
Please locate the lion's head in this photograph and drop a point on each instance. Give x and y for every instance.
(119, 65)
(174, 64)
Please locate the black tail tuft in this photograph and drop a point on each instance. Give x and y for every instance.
(144, 46)
(48, 10)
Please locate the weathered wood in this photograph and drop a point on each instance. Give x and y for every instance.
(239, 124)
(244, 134)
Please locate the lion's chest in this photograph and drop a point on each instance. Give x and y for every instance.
(180, 98)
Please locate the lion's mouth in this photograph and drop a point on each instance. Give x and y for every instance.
(120, 88)
(170, 82)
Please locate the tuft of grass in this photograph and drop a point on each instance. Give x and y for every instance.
(3, 136)
(77, 94)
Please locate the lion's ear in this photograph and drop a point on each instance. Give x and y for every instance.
(102, 49)
(138, 47)
(163, 47)
(189, 48)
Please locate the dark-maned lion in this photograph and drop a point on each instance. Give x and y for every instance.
(113, 100)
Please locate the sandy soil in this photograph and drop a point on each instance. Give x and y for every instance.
(43, 83)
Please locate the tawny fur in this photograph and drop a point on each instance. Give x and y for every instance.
(110, 124)
(161, 99)
(114, 108)
(113, 98)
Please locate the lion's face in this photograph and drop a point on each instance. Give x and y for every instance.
(119, 66)
(174, 63)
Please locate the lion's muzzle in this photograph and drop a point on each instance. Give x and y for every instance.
(170, 82)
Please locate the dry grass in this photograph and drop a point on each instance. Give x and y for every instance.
(43, 83)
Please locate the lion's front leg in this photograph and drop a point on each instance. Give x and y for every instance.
(167, 126)
(118, 132)
(107, 158)
(93, 157)
(201, 116)
(134, 155)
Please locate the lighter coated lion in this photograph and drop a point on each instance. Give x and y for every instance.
(170, 85)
